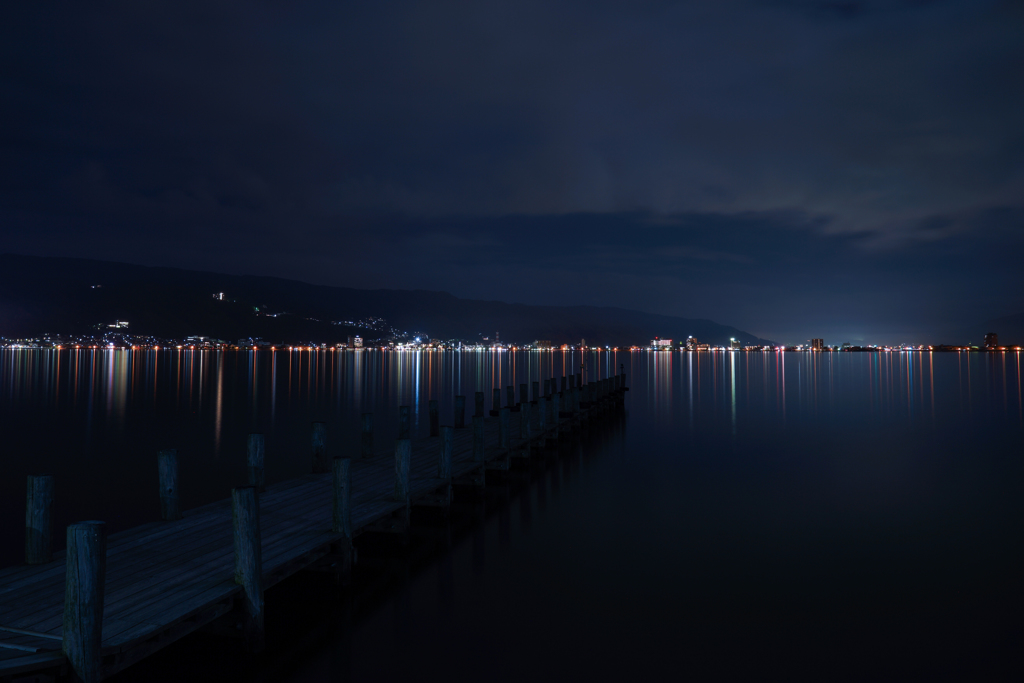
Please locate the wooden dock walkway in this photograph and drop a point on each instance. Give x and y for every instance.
(166, 579)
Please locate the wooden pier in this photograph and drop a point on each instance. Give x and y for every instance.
(106, 603)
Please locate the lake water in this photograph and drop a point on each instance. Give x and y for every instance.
(796, 516)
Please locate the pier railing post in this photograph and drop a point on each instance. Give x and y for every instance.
(245, 508)
(167, 465)
(434, 417)
(444, 461)
(254, 455)
(403, 461)
(479, 400)
(478, 438)
(39, 519)
(503, 428)
(460, 412)
(321, 463)
(367, 435)
(404, 423)
(83, 598)
(341, 522)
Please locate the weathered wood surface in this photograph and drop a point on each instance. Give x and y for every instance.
(167, 579)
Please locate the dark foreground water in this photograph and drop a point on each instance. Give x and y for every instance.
(751, 516)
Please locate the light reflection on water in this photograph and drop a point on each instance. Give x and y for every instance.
(844, 500)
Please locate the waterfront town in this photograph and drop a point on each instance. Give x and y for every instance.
(385, 338)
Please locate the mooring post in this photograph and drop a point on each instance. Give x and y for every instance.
(403, 460)
(460, 412)
(525, 417)
(367, 435)
(404, 422)
(478, 438)
(39, 519)
(341, 522)
(479, 398)
(495, 400)
(245, 509)
(503, 428)
(444, 462)
(321, 463)
(536, 391)
(510, 395)
(167, 465)
(434, 418)
(84, 580)
(254, 462)
(342, 518)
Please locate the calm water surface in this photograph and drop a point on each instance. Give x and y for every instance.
(752, 515)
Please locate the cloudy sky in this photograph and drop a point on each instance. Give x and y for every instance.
(852, 170)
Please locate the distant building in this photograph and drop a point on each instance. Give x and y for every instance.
(355, 342)
(542, 344)
(661, 344)
(691, 343)
(817, 345)
(991, 340)
(734, 344)
(219, 296)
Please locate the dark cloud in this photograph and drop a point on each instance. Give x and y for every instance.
(364, 142)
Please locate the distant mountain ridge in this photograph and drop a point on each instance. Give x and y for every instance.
(69, 296)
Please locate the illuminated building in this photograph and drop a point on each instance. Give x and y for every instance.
(991, 340)
(355, 342)
(817, 344)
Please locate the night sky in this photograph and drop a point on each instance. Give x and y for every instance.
(795, 168)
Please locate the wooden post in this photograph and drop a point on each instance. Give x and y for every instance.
(529, 419)
(523, 398)
(403, 460)
(321, 463)
(404, 423)
(510, 395)
(444, 462)
(367, 435)
(544, 413)
(579, 380)
(341, 522)
(342, 518)
(254, 462)
(245, 509)
(503, 428)
(84, 584)
(167, 464)
(565, 383)
(39, 519)
(478, 438)
(496, 401)
(434, 419)
(460, 412)
(479, 397)
(536, 391)
(547, 388)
